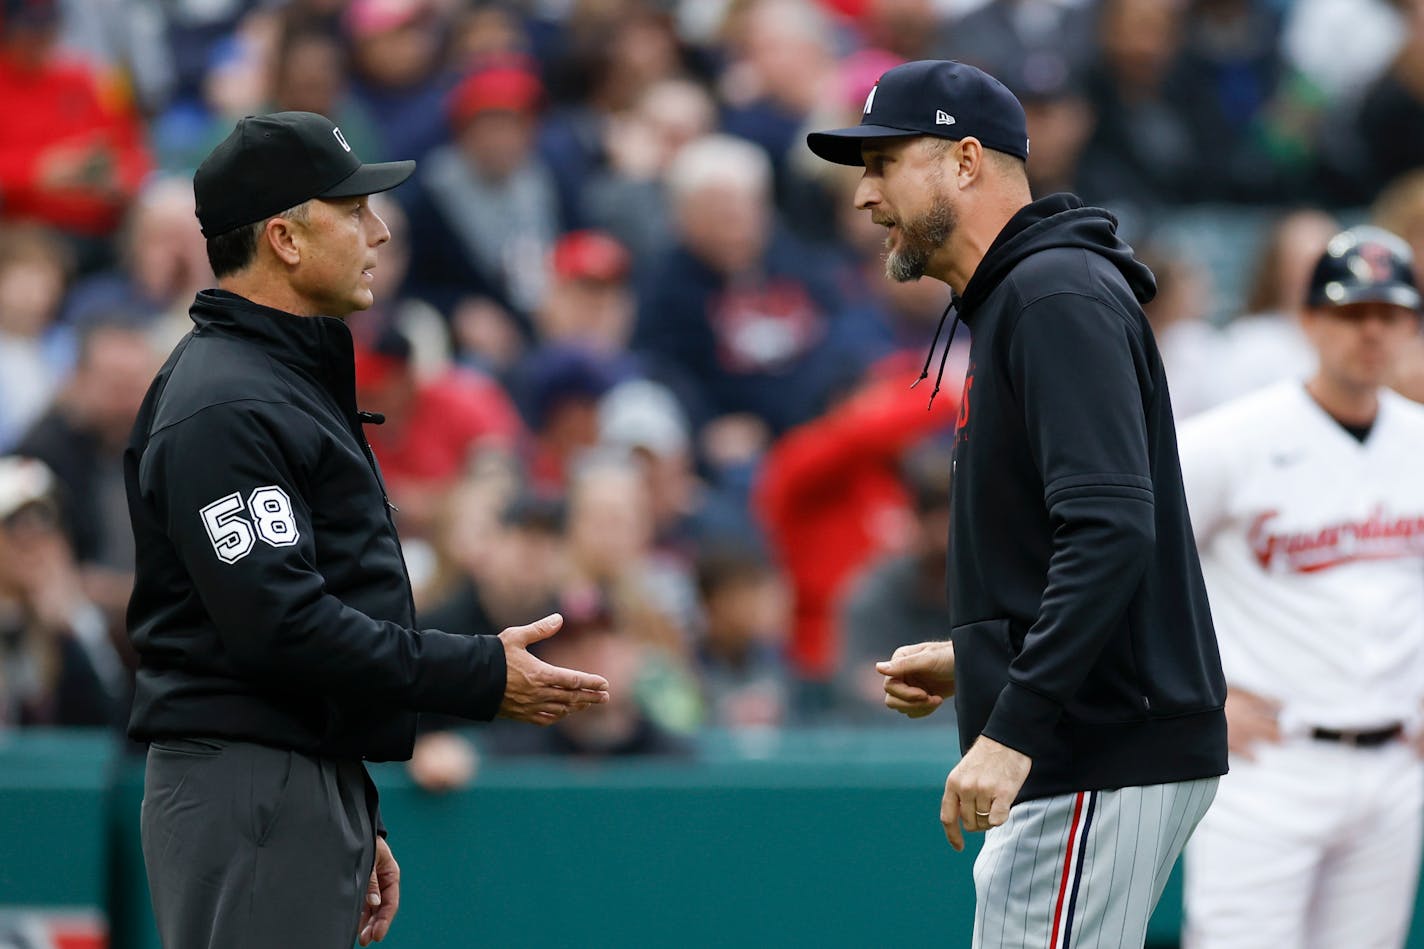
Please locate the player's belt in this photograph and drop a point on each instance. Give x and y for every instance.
(1359, 739)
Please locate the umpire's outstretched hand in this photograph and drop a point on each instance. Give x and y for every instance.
(537, 692)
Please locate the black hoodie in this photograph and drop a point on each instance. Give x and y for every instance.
(1081, 630)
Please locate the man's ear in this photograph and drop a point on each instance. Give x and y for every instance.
(283, 237)
(969, 161)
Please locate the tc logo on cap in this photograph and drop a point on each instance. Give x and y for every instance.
(870, 98)
(1373, 263)
(340, 138)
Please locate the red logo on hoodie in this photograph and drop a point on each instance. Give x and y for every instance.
(963, 422)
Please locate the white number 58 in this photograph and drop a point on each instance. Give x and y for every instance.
(232, 534)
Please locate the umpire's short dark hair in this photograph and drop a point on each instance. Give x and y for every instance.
(236, 249)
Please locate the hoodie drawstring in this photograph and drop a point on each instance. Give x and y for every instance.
(944, 357)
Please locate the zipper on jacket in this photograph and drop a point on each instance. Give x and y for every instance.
(371, 460)
(372, 418)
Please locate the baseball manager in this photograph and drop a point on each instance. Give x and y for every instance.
(1081, 657)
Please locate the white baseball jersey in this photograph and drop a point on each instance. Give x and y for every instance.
(1312, 546)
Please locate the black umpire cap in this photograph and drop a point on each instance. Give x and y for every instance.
(936, 97)
(1365, 264)
(274, 162)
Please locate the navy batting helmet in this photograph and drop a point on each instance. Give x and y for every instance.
(1365, 265)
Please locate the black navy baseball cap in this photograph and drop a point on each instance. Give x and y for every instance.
(1365, 264)
(274, 162)
(936, 97)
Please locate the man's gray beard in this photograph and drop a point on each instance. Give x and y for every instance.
(919, 239)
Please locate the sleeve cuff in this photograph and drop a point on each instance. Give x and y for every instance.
(460, 675)
(1023, 720)
(493, 676)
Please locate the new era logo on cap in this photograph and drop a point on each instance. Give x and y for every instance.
(971, 104)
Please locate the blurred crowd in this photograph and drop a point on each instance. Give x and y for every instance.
(635, 350)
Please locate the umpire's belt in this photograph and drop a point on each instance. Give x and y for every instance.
(1360, 739)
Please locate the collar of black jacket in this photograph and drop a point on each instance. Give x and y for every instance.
(319, 346)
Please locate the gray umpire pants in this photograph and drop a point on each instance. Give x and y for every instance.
(1084, 870)
(247, 845)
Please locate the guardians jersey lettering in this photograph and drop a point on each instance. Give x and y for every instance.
(1312, 547)
(1381, 536)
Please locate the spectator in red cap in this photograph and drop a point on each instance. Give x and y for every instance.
(484, 213)
(71, 151)
(589, 302)
(433, 427)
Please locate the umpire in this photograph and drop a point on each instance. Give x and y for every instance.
(272, 613)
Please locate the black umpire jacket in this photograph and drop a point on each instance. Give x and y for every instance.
(1082, 634)
(271, 602)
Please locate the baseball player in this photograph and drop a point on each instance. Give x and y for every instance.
(1308, 509)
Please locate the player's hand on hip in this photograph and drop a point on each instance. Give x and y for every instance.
(1250, 718)
(982, 787)
(918, 678)
(382, 896)
(537, 692)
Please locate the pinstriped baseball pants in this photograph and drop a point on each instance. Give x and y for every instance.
(1084, 870)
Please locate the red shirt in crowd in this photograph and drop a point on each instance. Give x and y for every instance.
(831, 500)
(449, 418)
(59, 112)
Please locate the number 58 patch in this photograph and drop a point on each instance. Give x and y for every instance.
(233, 535)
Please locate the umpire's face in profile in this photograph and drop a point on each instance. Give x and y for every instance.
(285, 206)
(336, 253)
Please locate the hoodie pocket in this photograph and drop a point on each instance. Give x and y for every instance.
(982, 653)
(1112, 692)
